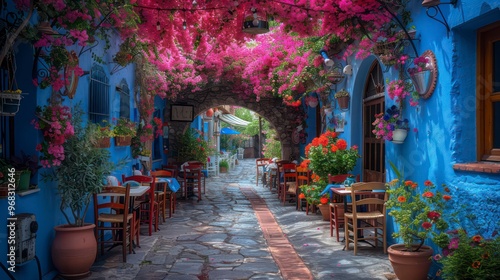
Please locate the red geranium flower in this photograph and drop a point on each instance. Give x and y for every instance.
(428, 194)
(426, 225)
(433, 215)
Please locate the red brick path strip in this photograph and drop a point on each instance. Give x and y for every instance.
(288, 261)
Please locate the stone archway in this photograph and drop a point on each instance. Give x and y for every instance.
(280, 117)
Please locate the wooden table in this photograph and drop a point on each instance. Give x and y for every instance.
(134, 191)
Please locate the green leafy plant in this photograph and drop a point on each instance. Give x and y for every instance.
(101, 130)
(469, 257)
(223, 163)
(124, 127)
(193, 147)
(82, 173)
(312, 193)
(419, 215)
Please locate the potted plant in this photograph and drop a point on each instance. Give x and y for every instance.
(102, 133)
(418, 214)
(78, 177)
(343, 98)
(391, 126)
(313, 195)
(223, 165)
(26, 166)
(123, 131)
(328, 154)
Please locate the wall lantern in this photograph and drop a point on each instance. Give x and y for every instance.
(433, 10)
(255, 22)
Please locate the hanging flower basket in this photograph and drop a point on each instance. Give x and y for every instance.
(9, 103)
(385, 48)
(123, 140)
(343, 102)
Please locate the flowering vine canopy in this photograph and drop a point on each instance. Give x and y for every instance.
(196, 43)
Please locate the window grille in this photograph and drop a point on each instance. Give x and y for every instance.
(124, 92)
(98, 95)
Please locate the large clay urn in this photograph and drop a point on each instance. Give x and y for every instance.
(410, 265)
(74, 250)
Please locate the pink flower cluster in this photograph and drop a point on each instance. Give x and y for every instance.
(420, 64)
(398, 90)
(55, 123)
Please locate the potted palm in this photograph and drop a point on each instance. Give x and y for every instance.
(419, 216)
(78, 177)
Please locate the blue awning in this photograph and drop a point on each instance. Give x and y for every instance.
(228, 130)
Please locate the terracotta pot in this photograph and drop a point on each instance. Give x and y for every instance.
(343, 102)
(325, 211)
(223, 169)
(123, 140)
(399, 135)
(410, 265)
(74, 250)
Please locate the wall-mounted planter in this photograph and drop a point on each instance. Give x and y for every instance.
(123, 140)
(104, 142)
(9, 103)
(425, 81)
(399, 135)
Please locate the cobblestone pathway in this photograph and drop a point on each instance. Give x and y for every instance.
(220, 238)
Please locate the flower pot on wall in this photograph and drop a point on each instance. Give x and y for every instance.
(399, 135)
(103, 142)
(410, 265)
(123, 140)
(422, 81)
(343, 102)
(74, 250)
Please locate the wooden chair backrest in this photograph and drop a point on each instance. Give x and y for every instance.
(368, 193)
(262, 161)
(117, 205)
(142, 179)
(162, 173)
(303, 175)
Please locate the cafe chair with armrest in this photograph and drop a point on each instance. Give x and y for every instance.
(337, 204)
(370, 224)
(112, 213)
(167, 196)
(146, 205)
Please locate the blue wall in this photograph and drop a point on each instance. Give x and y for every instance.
(445, 124)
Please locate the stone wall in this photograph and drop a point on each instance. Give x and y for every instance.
(280, 117)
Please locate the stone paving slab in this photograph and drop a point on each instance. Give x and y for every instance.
(220, 238)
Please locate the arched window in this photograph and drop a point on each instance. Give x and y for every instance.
(124, 92)
(98, 95)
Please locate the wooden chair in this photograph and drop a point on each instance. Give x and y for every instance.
(288, 188)
(192, 180)
(280, 173)
(146, 206)
(169, 196)
(202, 167)
(303, 178)
(337, 205)
(260, 163)
(367, 196)
(114, 215)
